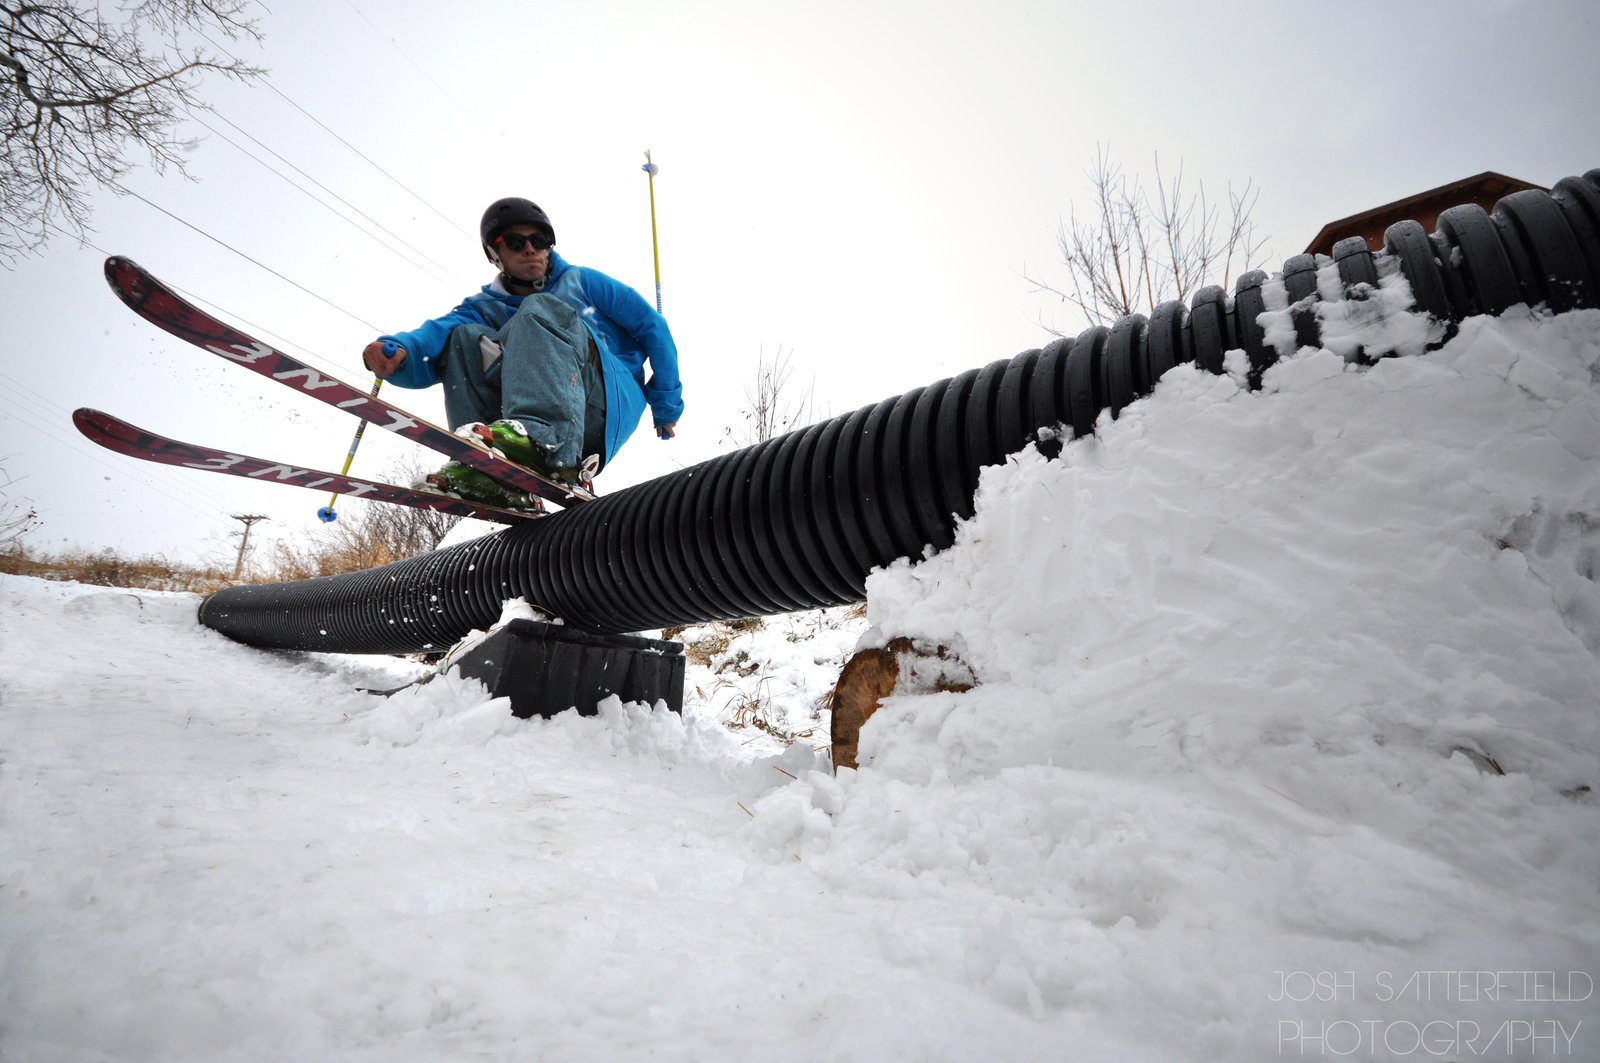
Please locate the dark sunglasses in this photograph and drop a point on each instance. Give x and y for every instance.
(516, 241)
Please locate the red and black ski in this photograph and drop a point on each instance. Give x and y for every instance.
(161, 306)
(116, 434)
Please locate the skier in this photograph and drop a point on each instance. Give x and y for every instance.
(546, 363)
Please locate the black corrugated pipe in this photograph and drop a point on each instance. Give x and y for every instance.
(797, 522)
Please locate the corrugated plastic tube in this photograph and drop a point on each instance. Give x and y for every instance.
(798, 522)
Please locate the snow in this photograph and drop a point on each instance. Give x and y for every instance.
(1250, 666)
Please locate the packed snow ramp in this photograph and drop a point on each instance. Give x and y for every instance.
(799, 521)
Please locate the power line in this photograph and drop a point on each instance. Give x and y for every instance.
(258, 331)
(190, 225)
(442, 273)
(255, 261)
(396, 46)
(447, 220)
(50, 429)
(134, 469)
(267, 81)
(195, 497)
(126, 473)
(255, 329)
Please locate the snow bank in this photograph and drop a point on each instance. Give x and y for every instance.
(1282, 747)
(1252, 666)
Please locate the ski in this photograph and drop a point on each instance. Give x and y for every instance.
(158, 304)
(113, 433)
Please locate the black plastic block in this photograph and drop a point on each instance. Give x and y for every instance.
(549, 668)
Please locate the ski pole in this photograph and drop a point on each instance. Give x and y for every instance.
(327, 514)
(655, 247)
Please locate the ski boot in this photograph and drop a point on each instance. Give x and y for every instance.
(463, 481)
(511, 439)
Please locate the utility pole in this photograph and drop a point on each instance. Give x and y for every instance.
(248, 519)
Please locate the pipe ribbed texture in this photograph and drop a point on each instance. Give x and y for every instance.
(797, 522)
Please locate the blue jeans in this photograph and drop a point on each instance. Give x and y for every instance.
(548, 378)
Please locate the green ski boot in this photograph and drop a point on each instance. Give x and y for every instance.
(464, 481)
(511, 439)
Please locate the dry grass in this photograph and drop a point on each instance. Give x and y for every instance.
(106, 568)
(377, 535)
(367, 537)
(109, 569)
(704, 642)
(346, 554)
(351, 549)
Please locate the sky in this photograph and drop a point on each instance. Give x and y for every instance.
(865, 188)
(1282, 745)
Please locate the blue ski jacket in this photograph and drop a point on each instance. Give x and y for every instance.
(627, 332)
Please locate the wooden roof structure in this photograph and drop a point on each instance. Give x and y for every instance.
(1485, 189)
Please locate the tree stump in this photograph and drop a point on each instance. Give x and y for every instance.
(901, 667)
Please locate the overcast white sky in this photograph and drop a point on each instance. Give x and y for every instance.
(858, 182)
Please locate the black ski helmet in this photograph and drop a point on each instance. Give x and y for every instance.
(504, 213)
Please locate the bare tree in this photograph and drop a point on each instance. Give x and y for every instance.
(774, 407)
(17, 518)
(406, 531)
(365, 538)
(79, 94)
(1132, 251)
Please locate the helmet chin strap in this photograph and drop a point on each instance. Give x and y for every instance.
(507, 280)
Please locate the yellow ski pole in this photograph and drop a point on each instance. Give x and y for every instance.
(327, 514)
(655, 247)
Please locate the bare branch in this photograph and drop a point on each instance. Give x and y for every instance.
(1138, 252)
(773, 408)
(17, 516)
(364, 538)
(80, 95)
